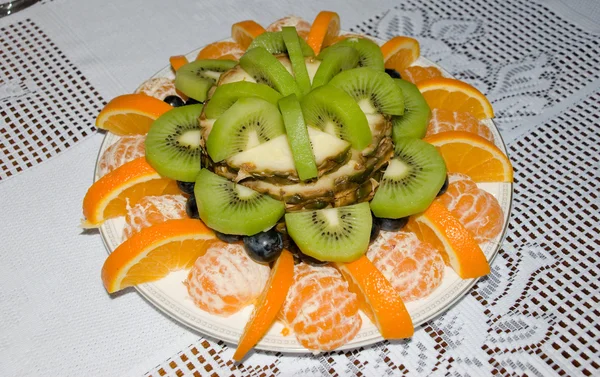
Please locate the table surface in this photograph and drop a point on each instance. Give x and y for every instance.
(535, 314)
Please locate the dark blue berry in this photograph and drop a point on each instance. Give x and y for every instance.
(264, 247)
(444, 187)
(186, 187)
(392, 225)
(192, 101)
(393, 73)
(174, 101)
(229, 238)
(375, 229)
(191, 208)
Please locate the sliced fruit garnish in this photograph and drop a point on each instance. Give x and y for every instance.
(379, 300)
(245, 31)
(302, 26)
(221, 50)
(108, 197)
(338, 234)
(273, 42)
(196, 78)
(334, 60)
(231, 208)
(173, 143)
(413, 123)
(400, 52)
(131, 114)
(455, 95)
(152, 210)
(266, 69)
(227, 94)
(456, 244)
(411, 180)
(370, 54)
(417, 73)
(446, 120)
(126, 149)
(155, 251)
(268, 304)
(323, 31)
(178, 61)
(292, 44)
(470, 154)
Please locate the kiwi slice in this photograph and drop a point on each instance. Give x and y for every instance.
(196, 78)
(375, 91)
(332, 110)
(416, 113)
(297, 133)
(411, 180)
(333, 61)
(273, 42)
(266, 69)
(231, 208)
(247, 123)
(227, 94)
(370, 53)
(173, 143)
(292, 43)
(333, 234)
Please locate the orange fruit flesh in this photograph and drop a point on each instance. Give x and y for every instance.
(455, 95)
(324, 30)
(131, 114)
(129, 124)
(445, 120)
(416, 74)
(400, 52)
(133, 195)
(244, 32)
(177, 62)
(221, 50)
(152, 210)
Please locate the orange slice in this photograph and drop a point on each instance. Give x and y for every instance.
(221, 50)
(400, 52)
(455, 95)
(131, 114)
(128, 184)
(324, 30)
(154, 252)
(417, 73)
(268, 304)
(178, 61)
(456, 244)
(245, 31)
(470, 154)
(381, 302)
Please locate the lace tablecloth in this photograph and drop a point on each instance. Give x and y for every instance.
(537, 312)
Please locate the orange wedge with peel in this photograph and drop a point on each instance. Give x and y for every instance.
(324, 30)
(244, 32)
(451, 94)
(221, 50)
(155, 251)
(400, 52)
(177, 62)
(128, 184)
(268, 304)
(379, 300)
(468, 153)
(440, 228)
(131, 114)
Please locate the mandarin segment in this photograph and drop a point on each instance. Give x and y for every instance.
(158, 87)
(152, 210)
(446, 120)
(302, 26)
(416, 74)
(126, 149)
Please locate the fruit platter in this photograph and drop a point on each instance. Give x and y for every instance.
(299, 188)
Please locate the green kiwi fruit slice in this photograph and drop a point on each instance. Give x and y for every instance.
(375, 91)
(333, 61)
(416, 113)
(173, 143)
(273, 42)
(231, 208)
(196, 78)
(247, 123)
(333, 234)
(332, 110)
(292, 44)
(370, 53)
(266, 69)
(297, 134)
(411, 180)
(227, 94)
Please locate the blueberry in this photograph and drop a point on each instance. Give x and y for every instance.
(392, 225)
(444, 187)
(229, 238)
(393, 73)
(174, 101)
(192, 101)
(264, 247)
(375, 229)
(191, 208)
(186, 187)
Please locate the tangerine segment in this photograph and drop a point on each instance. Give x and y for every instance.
(177, 62)
(417, 73)
(319, 308)
(158, 87)
(131, 114)
(152, 210)
(476, 209)
(302, 26)
(383, 303)
(268, 304)
(470, 154)
(414, 268)
(225, 279)
(220, 50)
(126, 149)
(455, 95)
(324, 30)
(458, 247)
(445, 120)
(154, 252)
(245, 31)
(400, 52)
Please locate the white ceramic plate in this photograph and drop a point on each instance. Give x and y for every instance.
(170, 295)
